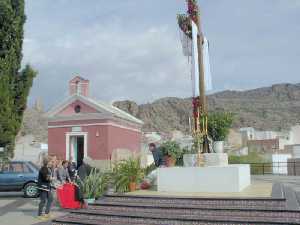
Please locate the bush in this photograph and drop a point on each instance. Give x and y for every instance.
(125, 172)
(256, 161)
(94, 185)
(149, 169)
(172, 149)
(219, 124)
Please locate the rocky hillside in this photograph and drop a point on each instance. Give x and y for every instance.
(269, 108)
(34, 123)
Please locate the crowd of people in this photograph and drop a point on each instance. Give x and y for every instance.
(53, 174)
(56, 172)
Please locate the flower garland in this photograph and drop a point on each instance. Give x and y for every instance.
(193, 10)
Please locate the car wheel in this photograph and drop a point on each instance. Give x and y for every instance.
(30, 190)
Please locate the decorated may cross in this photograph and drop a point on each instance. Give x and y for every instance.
(195, 45)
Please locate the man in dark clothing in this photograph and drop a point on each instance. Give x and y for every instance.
(44, 185)
(159, 161)
(158, 155)
(84, 169)
(72, 169)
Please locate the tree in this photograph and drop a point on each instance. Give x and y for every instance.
(15, 83)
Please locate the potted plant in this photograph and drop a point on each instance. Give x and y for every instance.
(127, 174)
(172, 152)
(219, 124)
(94, 185)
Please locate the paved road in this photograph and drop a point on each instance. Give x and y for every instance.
(16, 210)
(291, 181)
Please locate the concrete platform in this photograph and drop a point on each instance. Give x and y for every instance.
(255, 190)
(214, 179)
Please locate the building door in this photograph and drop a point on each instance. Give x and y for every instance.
(80, 150)
(76, 146)
(77, 149)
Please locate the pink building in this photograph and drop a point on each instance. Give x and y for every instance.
(81, 126)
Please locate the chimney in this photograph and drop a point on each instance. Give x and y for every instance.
(79, 86)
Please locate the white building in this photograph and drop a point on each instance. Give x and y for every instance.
(295, 135)
(291, 137)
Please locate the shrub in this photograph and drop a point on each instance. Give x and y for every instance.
(94, 185)
(125, 172)
(256, 161)
(149, 169)
(172, 149)
(219, 124)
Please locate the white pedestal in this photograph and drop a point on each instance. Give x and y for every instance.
(218, 179)
(215, 159)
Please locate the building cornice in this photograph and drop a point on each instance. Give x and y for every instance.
(96, 124)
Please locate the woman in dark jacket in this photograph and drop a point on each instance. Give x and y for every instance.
(44, 185)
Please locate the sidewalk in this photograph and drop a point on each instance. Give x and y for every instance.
(22, 211)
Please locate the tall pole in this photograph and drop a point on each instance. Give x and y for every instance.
(202, 96)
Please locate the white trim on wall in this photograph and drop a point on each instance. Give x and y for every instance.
(96, 124)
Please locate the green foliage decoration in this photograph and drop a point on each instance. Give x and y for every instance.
(219, 124)
(172, 149)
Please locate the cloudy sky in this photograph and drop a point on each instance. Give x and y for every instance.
(130, 49)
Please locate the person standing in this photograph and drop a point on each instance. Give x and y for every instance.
(72, 169)
(44, 186)
(63, 173)
(84, 169)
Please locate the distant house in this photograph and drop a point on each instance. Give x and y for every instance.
(286, 138)
(268, 146)
(82, 127)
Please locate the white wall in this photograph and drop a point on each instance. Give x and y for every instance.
(295, 134)
(29, 150)
(280, 165)
(296, 151)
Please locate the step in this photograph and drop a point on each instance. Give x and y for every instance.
(197, 214)
(202, 203)
(91, 217)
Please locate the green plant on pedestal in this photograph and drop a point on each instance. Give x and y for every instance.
(127, 174)
(219, 124)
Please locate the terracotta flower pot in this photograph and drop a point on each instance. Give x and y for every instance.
(170, 161)
(132, 186)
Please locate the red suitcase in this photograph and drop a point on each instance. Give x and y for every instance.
(66, 197)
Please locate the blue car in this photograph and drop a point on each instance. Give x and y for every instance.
(19, 176)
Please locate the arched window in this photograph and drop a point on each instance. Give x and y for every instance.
(77, 109)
